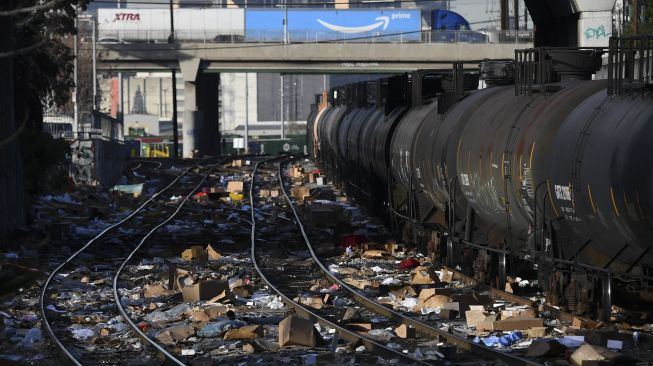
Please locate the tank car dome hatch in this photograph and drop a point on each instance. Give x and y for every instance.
(573, 64)
(497, 72)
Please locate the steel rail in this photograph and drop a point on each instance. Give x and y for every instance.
(116, 277)
(303, 311)
(421, 327)
(46, 323)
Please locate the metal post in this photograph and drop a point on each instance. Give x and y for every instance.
(246, 112)
(607, 297)
(175, 124)
(75, 92)
(94, 66)
(504, 15)
(171, 37)
(286, 39)
(502, 271)
(283, 132)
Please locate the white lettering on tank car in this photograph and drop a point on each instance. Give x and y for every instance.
(464, 178)
(563, 192)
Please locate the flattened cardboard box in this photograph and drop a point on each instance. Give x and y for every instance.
(518, 323)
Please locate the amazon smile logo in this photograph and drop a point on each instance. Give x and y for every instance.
(382, 21)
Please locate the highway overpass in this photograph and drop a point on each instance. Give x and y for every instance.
(300, 57)
(201, 63)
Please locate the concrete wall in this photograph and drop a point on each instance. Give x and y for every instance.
(98, 162)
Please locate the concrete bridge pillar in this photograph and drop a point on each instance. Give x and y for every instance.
(201, 130)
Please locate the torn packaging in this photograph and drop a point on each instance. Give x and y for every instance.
(196, 252)
(212, 253)
(589, 352)
(300, 192)
(423, 276)
(297, 331)
(175, 334)
(246, 332)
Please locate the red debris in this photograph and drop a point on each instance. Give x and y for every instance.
(408, 263)
(143, 326)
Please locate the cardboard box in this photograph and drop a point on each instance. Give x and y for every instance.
(359, 327)
(448, 314)
(154, 291)
(300, 192)
(589, 352)
(296, 331)
(322, 215)
(246, 332)
(434, 302)
(315, 302)
(474, 317)
(237, 163)
(274, 193)
(212, 254)
(525, 313)
(404, 331)
(518, 324)
(423, 276)
(205, 290)
(235, 186)
(583, 323)
(376, 254)
(196, 252)
(536, 332)
(264, 193)
(447, 276)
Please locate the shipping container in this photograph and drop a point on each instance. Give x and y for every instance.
(320, 25)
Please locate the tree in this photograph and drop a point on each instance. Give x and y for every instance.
(36, 71)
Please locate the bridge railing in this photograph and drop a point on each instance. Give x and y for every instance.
(308, 36)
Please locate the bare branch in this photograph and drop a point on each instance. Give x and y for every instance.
(22, 50)
(30, 9)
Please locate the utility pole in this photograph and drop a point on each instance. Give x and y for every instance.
(93, 23)
(504, 15)
(76, 89)
(246, 112)
(516, 12)
(175, 122)
(635, 16)
(283, 132)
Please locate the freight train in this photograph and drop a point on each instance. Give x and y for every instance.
(267, 25)
(545, 168)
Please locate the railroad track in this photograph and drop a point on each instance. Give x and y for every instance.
(426, 331)
(107, 254)
(293, 281)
